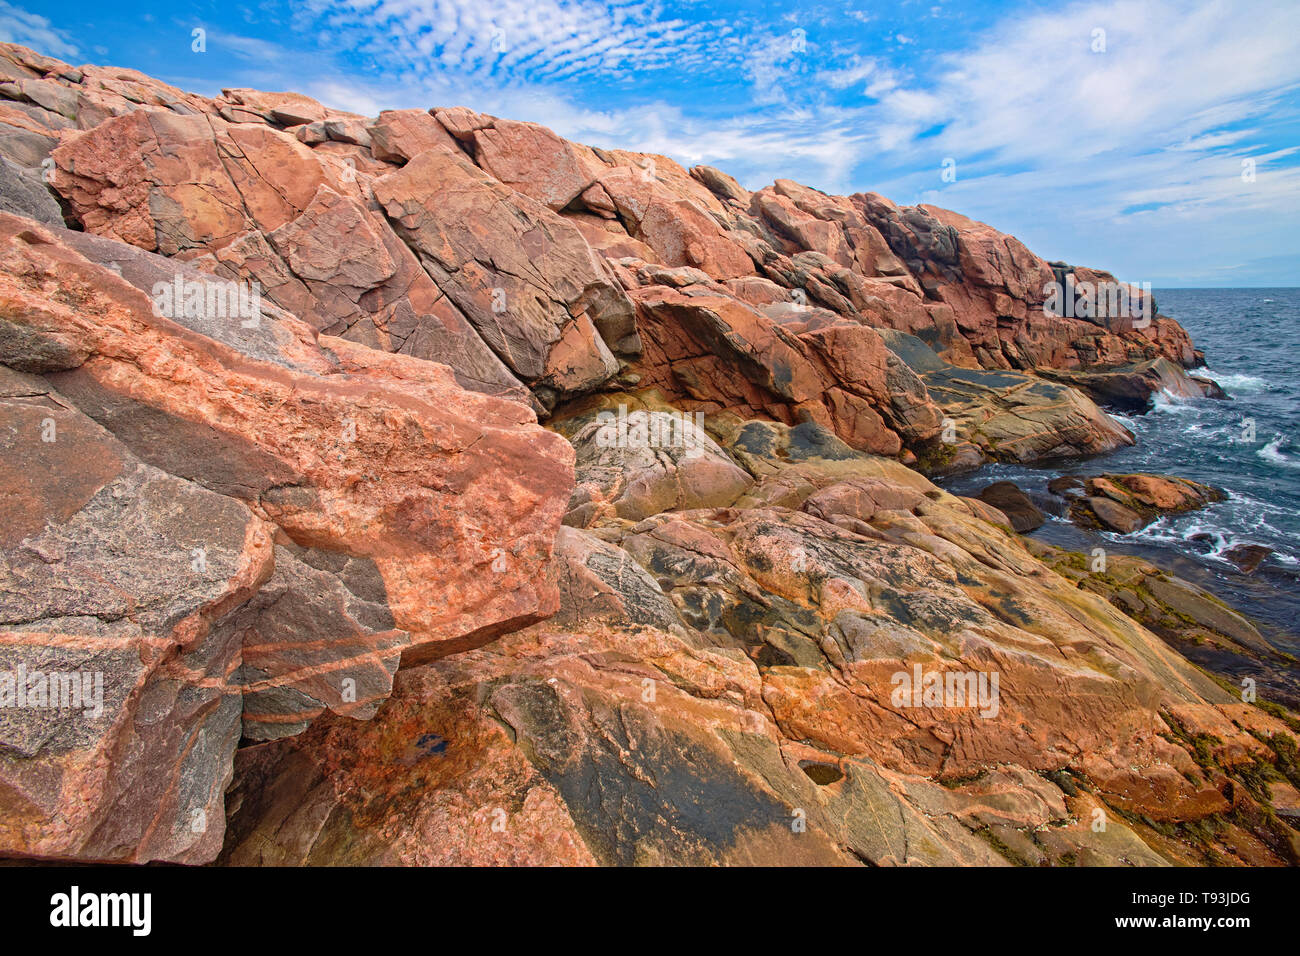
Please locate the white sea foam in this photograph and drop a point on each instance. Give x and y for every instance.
(1238, 382)
(1124, 420)
(1211, 535)
(1166, 401)
(1272, 452)
(1166, 530)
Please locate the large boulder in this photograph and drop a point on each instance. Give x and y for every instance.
(193, 187)
(712, 348)
(398, 136)
(522, 275)
(181, 448)
(118, 588)
(298, 431)
(1019, 508)
(677, 227)
(640, 461)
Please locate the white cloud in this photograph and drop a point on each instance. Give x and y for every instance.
(1164, 116)
(855, 73)
(32, 30)
(246, 48)
(540, 40)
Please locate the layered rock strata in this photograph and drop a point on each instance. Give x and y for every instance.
(278, 497)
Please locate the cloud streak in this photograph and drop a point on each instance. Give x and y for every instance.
(33, 30)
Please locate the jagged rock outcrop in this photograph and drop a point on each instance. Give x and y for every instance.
(524, 276)
(296, 508)
(997, 290)
(354, 460)
(1004, 415)
(210, 192)
(519, 277)
(1127, 503)
(720, 687)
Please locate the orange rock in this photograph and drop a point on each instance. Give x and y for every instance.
(398, 136)
(521, 274)
(307, 433)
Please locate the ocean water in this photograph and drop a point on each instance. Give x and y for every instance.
(1251, 340)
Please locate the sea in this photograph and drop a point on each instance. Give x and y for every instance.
(1249, 446)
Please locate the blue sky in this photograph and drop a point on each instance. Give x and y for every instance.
(1128, 157)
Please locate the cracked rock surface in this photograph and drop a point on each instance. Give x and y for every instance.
(429, 489)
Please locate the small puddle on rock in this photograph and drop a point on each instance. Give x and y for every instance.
(821, 773)
(423, 747)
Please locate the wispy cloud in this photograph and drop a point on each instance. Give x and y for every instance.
(524, 40)
(35, 31)
(255, 49)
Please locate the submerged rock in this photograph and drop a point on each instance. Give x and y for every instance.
(1247, 557)
(1007, 497)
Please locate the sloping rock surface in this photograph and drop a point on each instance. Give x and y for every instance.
(277, 496)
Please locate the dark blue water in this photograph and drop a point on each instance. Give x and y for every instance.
(1251, 340)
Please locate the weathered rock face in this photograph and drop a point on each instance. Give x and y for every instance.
(356, 460)
(23, 193)
(318, 420)
(525, 277)
(209, 192)
(1004, 415)
(398, 136)
(1191, 619)
(116, 641)
(528, 158)
(721, 686)
(789, 364)
(681, 624)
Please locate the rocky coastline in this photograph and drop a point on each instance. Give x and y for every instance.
(426, 488)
